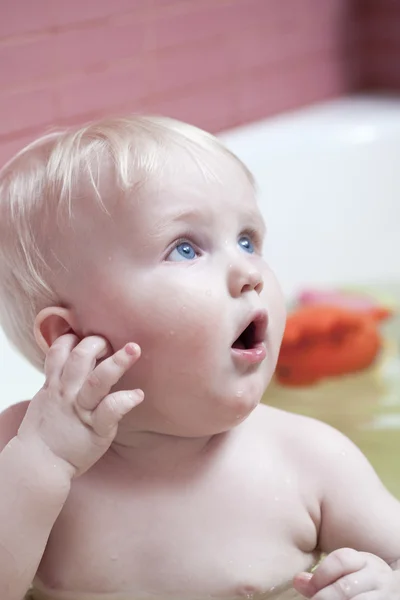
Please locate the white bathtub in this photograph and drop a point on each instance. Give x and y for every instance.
(329, 179)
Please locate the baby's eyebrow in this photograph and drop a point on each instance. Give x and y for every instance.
(256, 220)
(198, 216)
(188, 216)
(191, 214)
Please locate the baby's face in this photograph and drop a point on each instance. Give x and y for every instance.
(179, 271)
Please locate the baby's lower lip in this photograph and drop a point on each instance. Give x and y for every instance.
(251, 356)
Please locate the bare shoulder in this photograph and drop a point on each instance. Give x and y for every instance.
(308, 443)
(293, 433)
(341, 487)
(338, 485)
(319, 442)
(303, 432)
(323, 454)
(10, 420)
(289, 426)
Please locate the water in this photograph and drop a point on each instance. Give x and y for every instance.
(365, 406)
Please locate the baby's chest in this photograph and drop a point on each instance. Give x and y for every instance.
(224, 538)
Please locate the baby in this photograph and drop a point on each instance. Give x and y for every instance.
(131, 272)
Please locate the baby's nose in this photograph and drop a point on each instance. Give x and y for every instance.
(243, 278)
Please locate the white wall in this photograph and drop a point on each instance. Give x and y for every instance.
(329, 181)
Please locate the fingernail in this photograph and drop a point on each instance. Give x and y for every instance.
(131, 349)
(136, 395)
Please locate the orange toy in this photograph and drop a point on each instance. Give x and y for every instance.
(324, 341)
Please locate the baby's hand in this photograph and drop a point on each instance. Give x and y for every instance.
(349, 575)
(74, 414)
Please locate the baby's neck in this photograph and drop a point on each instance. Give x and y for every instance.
(159, 452)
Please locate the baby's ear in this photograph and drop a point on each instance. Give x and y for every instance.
(51, 323)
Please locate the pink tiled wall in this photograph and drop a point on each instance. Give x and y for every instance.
(379, 34)
(216, 63)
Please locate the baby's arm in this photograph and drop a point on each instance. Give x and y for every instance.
(359, 525)
(67, 427)
(34, 485)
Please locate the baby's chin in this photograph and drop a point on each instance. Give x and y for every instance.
(220, 418)
(238, 407)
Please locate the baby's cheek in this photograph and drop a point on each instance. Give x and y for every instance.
(194, 334)
(195, 329)
(274, 300)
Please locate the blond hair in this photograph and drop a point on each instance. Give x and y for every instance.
(40, 185)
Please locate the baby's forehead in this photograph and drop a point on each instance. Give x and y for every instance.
(218, 167)
(181, 180)
(190, 200)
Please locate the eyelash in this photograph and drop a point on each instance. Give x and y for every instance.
(255, 237)
(252, 233)
(188, 238)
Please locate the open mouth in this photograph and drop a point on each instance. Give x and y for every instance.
(253, 334)
(246, 339)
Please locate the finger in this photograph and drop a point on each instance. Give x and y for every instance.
(58, 354)
(111, 410)
(302, 584)
(100, 381)
(82, 360)
(349, 587)
(339, 563)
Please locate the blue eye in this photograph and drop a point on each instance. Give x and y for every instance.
(183, 251)
(246, 244)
